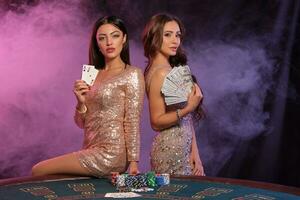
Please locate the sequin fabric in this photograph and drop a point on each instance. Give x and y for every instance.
(172, 147)
(112, 123)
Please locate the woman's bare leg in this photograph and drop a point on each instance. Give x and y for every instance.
(65, 164)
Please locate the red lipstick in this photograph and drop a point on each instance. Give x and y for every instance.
(110, 50)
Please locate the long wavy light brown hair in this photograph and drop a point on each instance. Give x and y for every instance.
(152, 38)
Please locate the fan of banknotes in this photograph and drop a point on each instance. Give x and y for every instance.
(177, 85)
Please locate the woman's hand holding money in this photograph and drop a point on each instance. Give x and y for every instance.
(194, 98)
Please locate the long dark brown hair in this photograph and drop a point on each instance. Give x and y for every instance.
(96, 58)
(152, 38)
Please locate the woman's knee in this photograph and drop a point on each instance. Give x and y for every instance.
(38, 170)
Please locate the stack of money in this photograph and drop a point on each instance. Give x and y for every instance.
(177, 85)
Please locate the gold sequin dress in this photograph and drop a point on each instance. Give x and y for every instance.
(172, 146)
(112, 123)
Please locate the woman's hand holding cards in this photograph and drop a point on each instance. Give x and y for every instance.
(80, 89)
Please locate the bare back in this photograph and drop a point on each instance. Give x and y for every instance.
(150, 73)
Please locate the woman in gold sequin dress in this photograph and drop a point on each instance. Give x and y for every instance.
(174, 149)
(109, 111)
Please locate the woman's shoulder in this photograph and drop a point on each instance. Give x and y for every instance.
(156, 75)
(134, 70)
(134, 73)
(159, 72)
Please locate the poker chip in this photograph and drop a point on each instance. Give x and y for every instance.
(132, 181)
(114, 176)
(159, 180)
(162, 179)
(142, 179)
(120, 180)
(151, 180)
(143, 189)
(166, 178)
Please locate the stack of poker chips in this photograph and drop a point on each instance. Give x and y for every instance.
(136, 181)
(113, 177)
(162, 179)
(149, 179)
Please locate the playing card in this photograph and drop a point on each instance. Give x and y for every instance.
(177, 85)
(89, 74)
(122, 195)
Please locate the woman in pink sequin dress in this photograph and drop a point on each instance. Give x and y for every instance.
(108, 111)
(174, 149)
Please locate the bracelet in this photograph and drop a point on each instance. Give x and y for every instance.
(82, 112)
(177, 114)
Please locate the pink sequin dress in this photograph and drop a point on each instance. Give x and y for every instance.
(112, 123)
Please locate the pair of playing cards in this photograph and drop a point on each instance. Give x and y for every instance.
(89, 74)
(122, 195)
(177, 85)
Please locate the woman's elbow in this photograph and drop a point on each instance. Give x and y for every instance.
(156, 126)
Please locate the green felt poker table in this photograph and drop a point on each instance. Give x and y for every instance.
(180, 187)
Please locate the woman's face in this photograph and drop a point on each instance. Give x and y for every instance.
(171, 39)
(110, 40)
